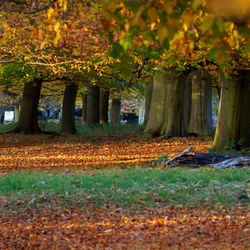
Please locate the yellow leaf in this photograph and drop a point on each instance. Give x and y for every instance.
(56, 26)
(58, 36)
(50, 12)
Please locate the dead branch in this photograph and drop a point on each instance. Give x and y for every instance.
(187, 150)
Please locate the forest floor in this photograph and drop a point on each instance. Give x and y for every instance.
(53, 152)
(158, 225)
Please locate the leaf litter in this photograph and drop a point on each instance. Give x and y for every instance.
(165, 227)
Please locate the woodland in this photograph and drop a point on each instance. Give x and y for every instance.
(96, 184)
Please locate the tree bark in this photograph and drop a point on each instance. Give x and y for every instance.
(234, 109)
(92, 114)
(115, 111)
(148, 98)
(175, 118)
(168, 113)
(104, 106)
(28, 120)
(68, 110)
(1, 117)
(201, 111)
(16, 113)
(84, 108)
(157, 108)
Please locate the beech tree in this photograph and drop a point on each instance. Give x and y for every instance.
(48, 37)
(68, 111)
(198, 34)
(166, 114)
(28, 120)
(93, 105)
(234, 120)
(104, 105)
(115, 111)
(200, 121)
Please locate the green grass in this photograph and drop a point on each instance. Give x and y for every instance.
(82, 130)
(4, 128)
(105, 129)
(130, 188)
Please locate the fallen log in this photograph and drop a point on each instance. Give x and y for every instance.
(187, 150)
(207, 159)
(240, 161)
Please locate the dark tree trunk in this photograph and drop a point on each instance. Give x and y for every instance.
(2, 117)
(115, 111)
(148, 98)
(234, 109)
(104, 106)
(92, 114)
(166, 115)
(28, 120)
(201, 111)
(68, 110)
(84, 108)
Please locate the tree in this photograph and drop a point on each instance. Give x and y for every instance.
(93, 97)
(201, 112)
(184, 35)
(68, 112)
(115, 111)
(166, 115)
(233, 119)
(47, 37)
(148, 98)
(104, 105)
(84, 107)
(28, 120)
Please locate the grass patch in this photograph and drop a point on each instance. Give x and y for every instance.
(129, 188)
(5, 128)
(105, 130)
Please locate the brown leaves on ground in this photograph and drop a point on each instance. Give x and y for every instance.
(158, 228)
(111, 228)
(19, 152)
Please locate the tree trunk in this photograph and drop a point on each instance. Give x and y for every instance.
(104, 106)
(157, 108)
(28, 120)
(175, 118)
(16, 113)
(92, 114)
(148, 98)
(166, 115)
(1, 117)
(115, 111)
(68, 110)
(84, 108)
(234, 109)
(201, 112)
